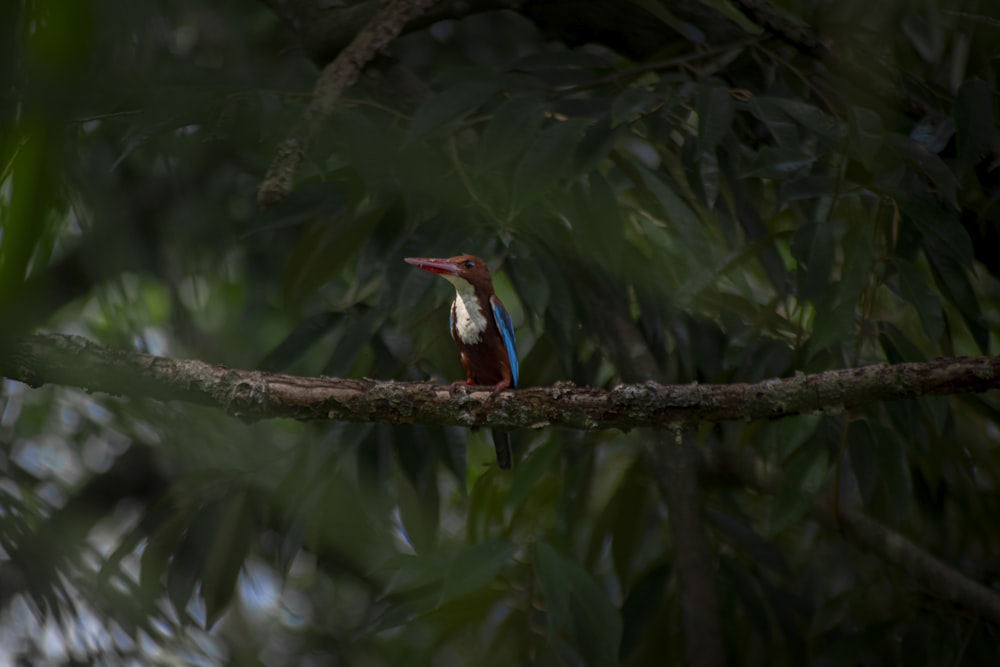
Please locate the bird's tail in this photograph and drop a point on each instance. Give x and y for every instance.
(501, 442)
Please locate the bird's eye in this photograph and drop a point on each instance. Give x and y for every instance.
(469, 264)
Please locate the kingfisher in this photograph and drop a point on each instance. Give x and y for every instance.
(481, 328)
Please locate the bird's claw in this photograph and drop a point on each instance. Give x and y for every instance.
(498, 387)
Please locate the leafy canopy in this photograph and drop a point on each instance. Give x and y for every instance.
(761, 195)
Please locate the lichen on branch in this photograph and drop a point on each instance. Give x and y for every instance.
(254, 395)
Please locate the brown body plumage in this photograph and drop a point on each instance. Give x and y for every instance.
(480, 327)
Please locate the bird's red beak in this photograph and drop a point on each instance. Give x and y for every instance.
(432, 265)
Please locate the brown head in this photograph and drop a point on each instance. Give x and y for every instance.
(467, 268)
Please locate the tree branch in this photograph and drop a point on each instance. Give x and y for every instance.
(252, 395)
(325, 28)
(336, 77)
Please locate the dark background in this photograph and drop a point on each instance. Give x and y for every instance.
(746, 190)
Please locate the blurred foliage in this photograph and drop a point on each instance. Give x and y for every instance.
(758, 207)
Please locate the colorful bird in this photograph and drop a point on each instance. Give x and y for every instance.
(481, 328)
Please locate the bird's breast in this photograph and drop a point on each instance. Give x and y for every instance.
(468, 321)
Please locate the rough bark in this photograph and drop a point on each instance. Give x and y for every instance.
(75, 361)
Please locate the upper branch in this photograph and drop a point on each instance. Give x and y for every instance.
(337, 77)
(251, 395)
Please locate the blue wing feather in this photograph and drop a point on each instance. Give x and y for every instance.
(506, 327)
(451, 320)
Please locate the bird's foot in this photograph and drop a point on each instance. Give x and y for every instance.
(499, 386)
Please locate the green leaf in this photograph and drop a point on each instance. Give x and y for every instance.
(297, 343)
(528, 472)
(803, 481)
(486, 495)
(598, 623)
(480, 458)
(419, 512)
(785, 436)
(936, 410)
(893, 468)
(832, 323)
(450, 105)
(28, 205)
(770, 112)
(926, 35)
(368, 147)
(623, 520)
(780, 163)
(949, 251)
(410, 574)
(857, 265)
(975, 121)
(659, 10)
(641, 604)
(932, 166)
(163, 544)
(953, 281)
(734, 14)
(323, 249)
(577, 59)
(679, 216)
(738, 530)
(709, 176)
(628, 530)
(186, 565)
(812, 248)
(861, 448)
(940, 230)
(599, 219)
(599, 140)
(715, 115)
(897, 347)
(835, 318)
(866, 135)
(736, 580)
(475, 567)
(547, 162)
(514, 126)
(553, 578)
(159, 521)
(916, 292)
(813, 119)
(578, 608)
(355, 335)
(784, 607)
(230, 544)
(480, 609)
(806, 187)
(530, 283)
(635, 101)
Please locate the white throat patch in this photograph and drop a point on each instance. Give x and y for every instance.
(470, 322)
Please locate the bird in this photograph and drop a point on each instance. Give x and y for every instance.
(481, 328)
